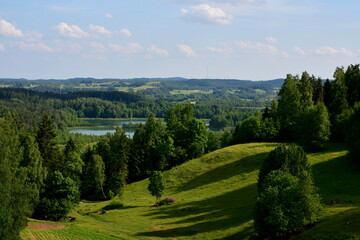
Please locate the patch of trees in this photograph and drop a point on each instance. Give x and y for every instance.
(42, 180)
(299, 115)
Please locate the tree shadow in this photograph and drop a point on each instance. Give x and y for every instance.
(213, 214)
(241, 166)
(337, 179)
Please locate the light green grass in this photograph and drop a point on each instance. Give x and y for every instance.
(187, 92)
(216, 195)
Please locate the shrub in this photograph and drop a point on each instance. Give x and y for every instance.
(166, 201)
(285, 205)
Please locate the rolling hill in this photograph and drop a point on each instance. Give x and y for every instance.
(215, 200)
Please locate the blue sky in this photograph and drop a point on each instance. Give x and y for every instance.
(242, 39)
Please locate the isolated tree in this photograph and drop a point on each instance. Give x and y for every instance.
(285, 204)
(156, 185)
(287, 199)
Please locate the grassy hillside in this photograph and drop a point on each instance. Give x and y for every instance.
(215, 200)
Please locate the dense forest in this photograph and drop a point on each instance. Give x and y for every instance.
(44, 180)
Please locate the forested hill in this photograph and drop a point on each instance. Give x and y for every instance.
(21, 93)
(156, 87)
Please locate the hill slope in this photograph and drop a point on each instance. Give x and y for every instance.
(215, 199)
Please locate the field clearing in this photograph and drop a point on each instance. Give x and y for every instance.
(215, 199)
(187, 92)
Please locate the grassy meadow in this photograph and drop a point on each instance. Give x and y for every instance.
(215, 200)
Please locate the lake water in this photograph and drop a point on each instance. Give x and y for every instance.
(107, 126)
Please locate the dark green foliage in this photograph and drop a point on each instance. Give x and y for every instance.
(287, 199)
(352, 82)
(114, 151)
(291, 158)
(72, 163)
(214, 141)
(45, 139)
(188, 133)
(152, 149)
(289, 107)
(93, 177)
(247, 131)
(21, 177)
(353, 134)
(313, 127)
(60, 195)
(156, 185)
(286, 204)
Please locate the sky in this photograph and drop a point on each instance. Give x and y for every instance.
(229, 39)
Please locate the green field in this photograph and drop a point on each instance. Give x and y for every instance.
(215, 200)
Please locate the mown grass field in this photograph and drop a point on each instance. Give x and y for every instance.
(215, 200)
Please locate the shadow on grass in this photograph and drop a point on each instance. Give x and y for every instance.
(344, 225)
(243, 165)
(338, 179)
(213, 214)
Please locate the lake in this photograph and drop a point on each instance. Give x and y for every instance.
(101, 127)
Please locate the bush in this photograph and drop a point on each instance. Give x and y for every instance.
(166, 201)
(287, 200)
(291, 158)
(285, 205)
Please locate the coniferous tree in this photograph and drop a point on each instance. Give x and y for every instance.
(45, 139)
(21, 177)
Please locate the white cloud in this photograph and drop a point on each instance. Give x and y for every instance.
(232, 2)
(187, 50)
(2, 48)
(7, 29)
(158, 51)
(222, 51)
(108, 15)
(324, 51)
(206, 14)
(130, 48)
(72, 31)
(262, 48)
(125, 32)
(100, 30)
(271, 40)
(97, 47)
(299, 51)
(33, 36)
(37, 47)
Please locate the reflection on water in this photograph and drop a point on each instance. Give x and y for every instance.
(101, 132)
(104, 123)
